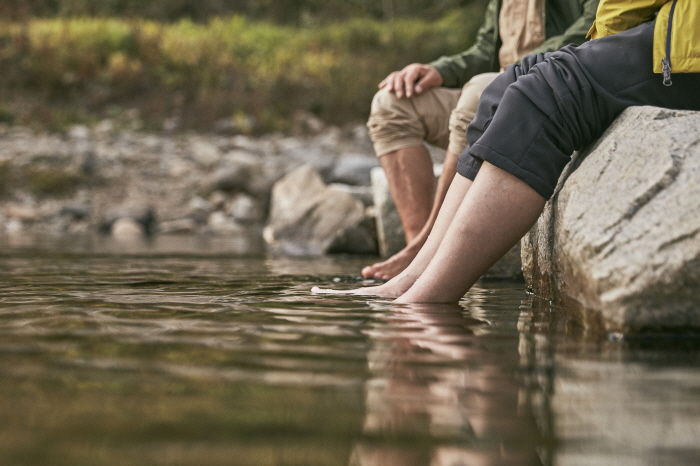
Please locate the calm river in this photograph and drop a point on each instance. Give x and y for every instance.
(156, 355)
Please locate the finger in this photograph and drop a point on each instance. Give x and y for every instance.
(390, 82)
(409, 81)
(424, 83)
(398, 85)
(386, 82)
(431, 78)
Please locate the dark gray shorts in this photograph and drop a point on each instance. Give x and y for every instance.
(536, 114)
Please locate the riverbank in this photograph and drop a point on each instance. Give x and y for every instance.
(127, 183)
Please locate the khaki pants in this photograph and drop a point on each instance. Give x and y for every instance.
(439, 116)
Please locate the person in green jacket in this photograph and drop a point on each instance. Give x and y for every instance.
(436, 102)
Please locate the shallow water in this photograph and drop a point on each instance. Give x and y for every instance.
(140, 356)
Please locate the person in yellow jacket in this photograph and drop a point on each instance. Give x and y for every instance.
(676, 30)
(530, 120)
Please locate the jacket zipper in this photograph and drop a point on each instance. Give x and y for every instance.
(666, 61)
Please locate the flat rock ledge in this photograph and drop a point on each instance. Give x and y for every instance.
(621, 235)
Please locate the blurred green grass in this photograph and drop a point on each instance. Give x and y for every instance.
(61, 71)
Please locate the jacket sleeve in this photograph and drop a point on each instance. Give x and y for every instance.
(575, 33)
(620, 15)
(457, 69)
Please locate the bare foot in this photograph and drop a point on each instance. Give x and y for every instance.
(394, 265)
(403, 300)
(391, 289)
(379, 291)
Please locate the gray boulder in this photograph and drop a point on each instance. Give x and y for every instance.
(204, 153)
(621, 236)
(353, 169)
(309, 218)
(361, 193)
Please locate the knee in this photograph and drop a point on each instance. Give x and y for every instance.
(383, 100)
(393, 122)
(468, 102)
(383, 110)
(480, 81)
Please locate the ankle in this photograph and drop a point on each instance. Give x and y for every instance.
(416, 244)
(403, 281)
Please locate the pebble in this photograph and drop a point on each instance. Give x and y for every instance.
(245, 209)
(234, 178)
(127, 229)
(205, 153)
(221, 223)
(79, 132)
(21, 212)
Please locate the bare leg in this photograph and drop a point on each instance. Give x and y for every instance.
(409, 172)
(399, 261)
(497, 211)
(403, 281)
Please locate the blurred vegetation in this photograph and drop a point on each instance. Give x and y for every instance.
(254, 74)
(39, 180)
(294, 12)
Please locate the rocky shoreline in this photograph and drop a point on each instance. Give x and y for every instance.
(129, 184)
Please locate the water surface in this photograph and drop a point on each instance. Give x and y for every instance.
(154, 356)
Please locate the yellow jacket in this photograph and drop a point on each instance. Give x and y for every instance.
(676, 33)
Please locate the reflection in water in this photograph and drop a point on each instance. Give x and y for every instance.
(430, 369)
(217, 360)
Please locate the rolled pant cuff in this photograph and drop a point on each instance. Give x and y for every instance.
(480, 153)
(384, 148)
(467, 165)
(456, 147)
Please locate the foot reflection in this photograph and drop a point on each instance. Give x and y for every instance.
(439, 373)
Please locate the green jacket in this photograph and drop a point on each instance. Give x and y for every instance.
(566, 22)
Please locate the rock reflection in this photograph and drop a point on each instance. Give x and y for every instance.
(615, 401)
(431, 375)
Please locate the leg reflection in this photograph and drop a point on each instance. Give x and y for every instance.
(440, 374)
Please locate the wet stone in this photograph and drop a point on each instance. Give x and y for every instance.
(353, 169)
